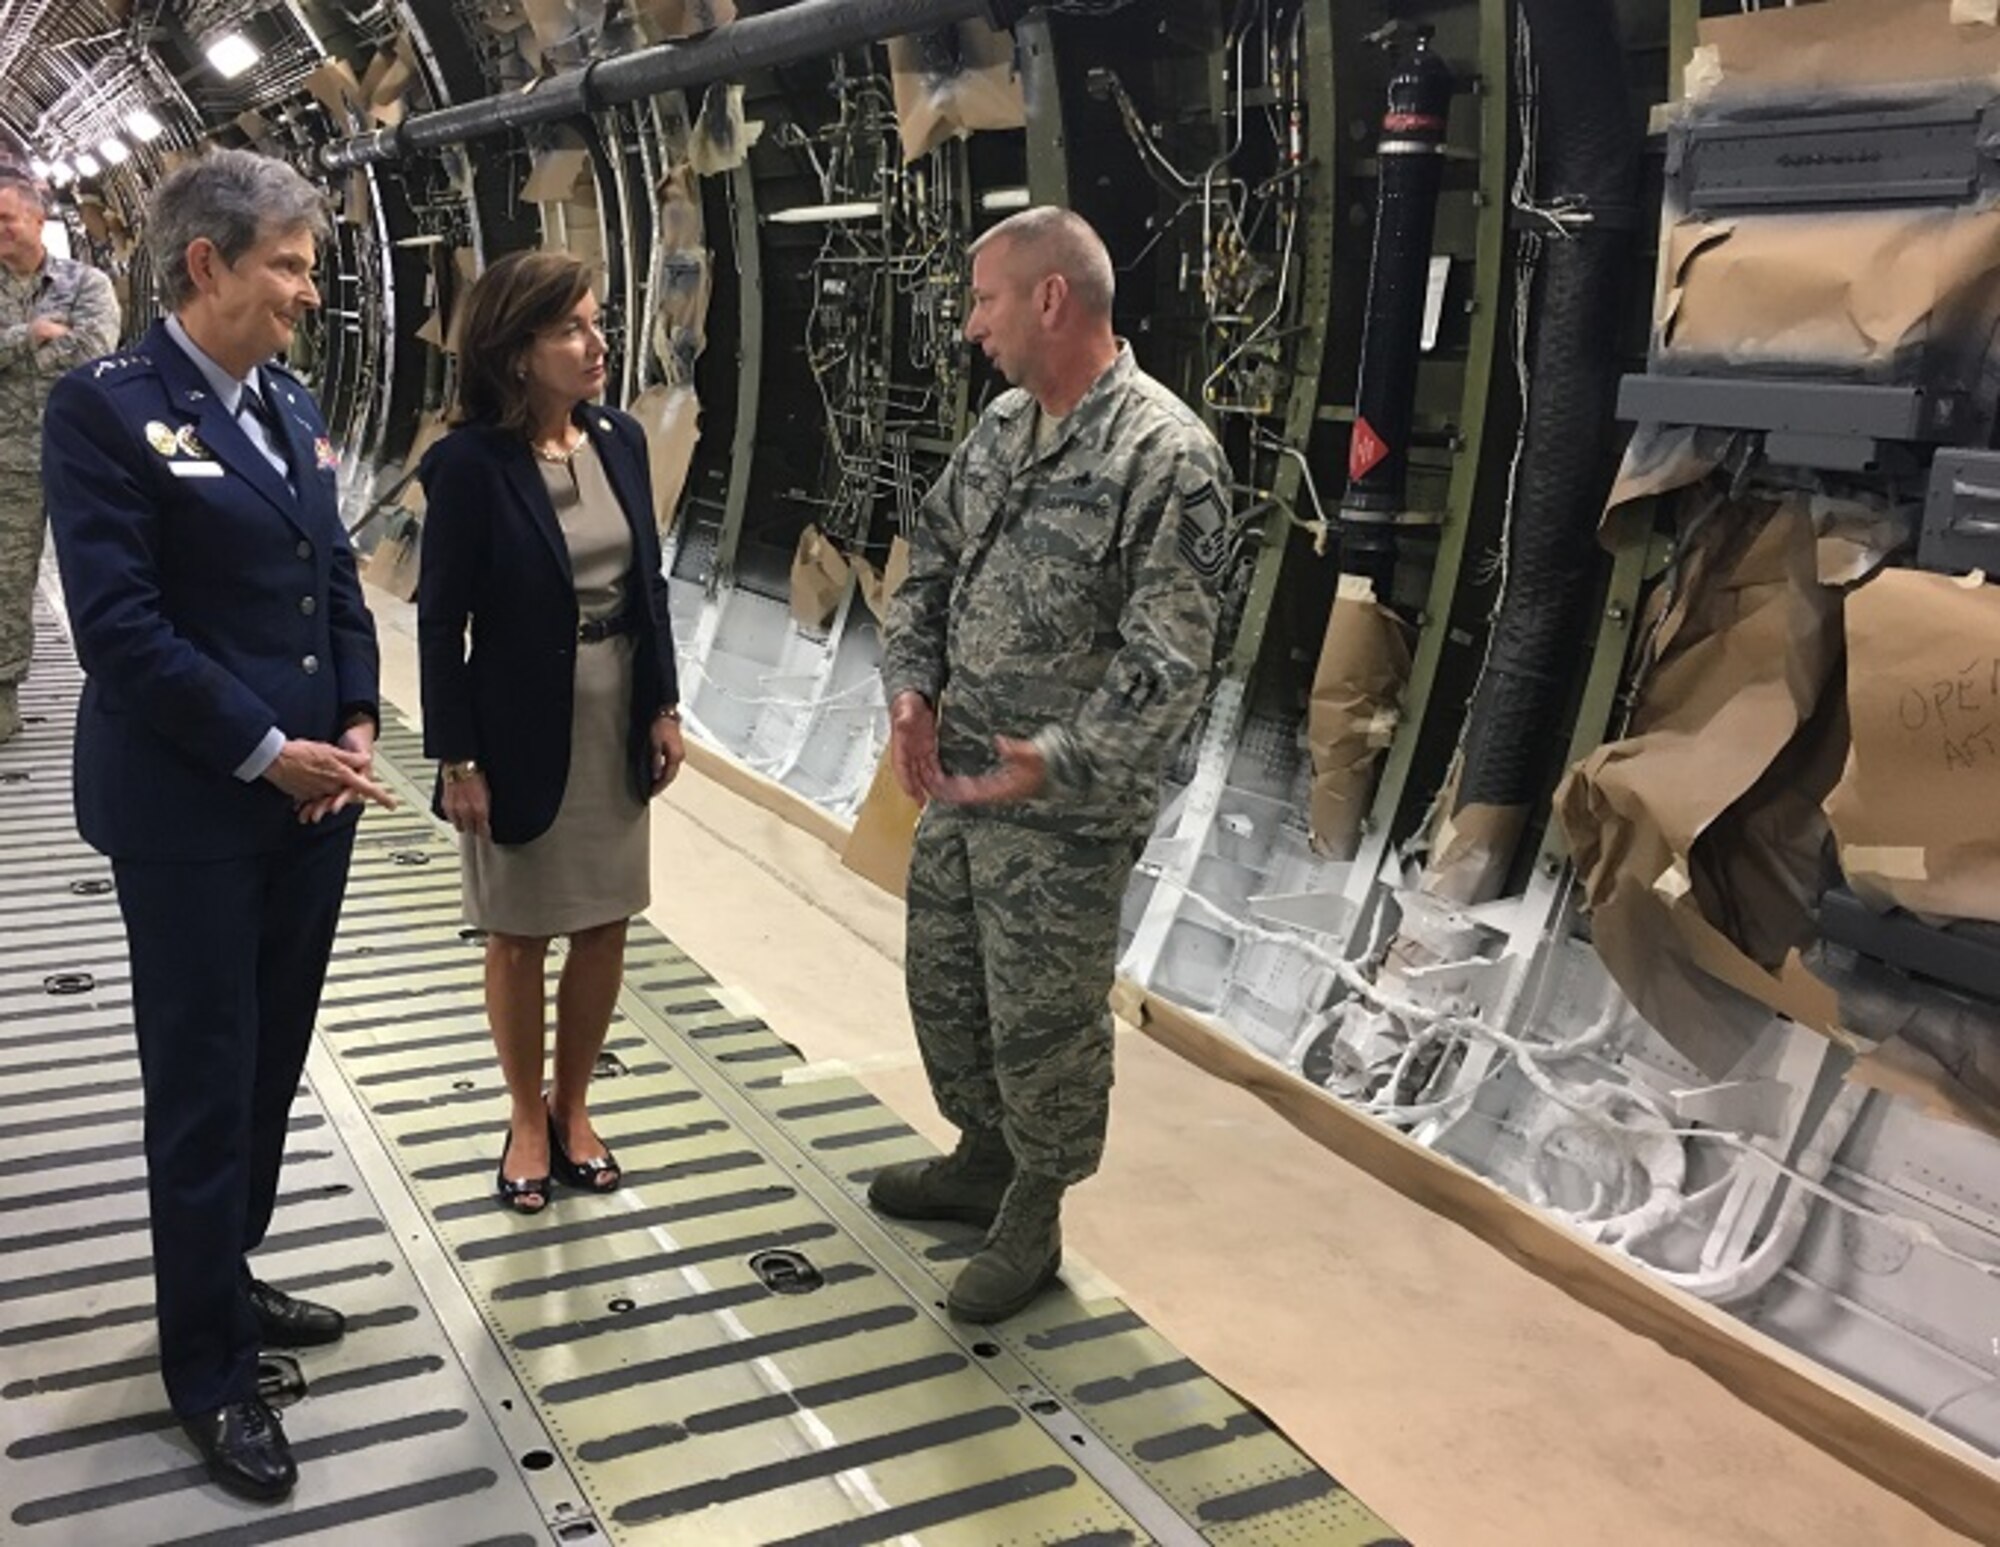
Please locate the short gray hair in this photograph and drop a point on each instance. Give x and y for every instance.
(1064, 243)
(17, 181)
(235, 198)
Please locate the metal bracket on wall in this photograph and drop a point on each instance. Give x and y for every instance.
(1831, 425)
(1962, 513)
(1933, 153)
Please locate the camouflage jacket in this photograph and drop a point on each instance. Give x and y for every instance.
(79, 297)
(1069, 595)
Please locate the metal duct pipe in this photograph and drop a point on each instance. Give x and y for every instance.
(1412, 165)
(809, 29)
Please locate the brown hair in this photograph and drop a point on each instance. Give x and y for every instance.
(516, 298)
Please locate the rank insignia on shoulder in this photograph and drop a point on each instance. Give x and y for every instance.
(324, 454)
(161, 439)
(118, 363)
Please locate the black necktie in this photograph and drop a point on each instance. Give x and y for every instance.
(254, 406)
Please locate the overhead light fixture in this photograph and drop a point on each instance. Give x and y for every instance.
(39, 167)
(144, 126)
(810, 214)
(232, 54)
(114, 151)
(59, 172)
(1004, 198)
(86, 164)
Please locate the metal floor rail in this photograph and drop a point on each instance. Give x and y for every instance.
(730, 1349)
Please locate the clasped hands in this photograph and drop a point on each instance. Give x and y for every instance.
(323, 777)
(913, 754)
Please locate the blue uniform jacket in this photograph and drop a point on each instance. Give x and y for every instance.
(494, 556)
(208, 602)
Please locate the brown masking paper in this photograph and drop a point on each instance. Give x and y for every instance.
(819, 580)
(1838, 45)
(554, 176)
(665, 20)
(671, 418)
(885, 827)
(1364, 662)
(953, 81)
(1915, 812)
(878, 586)
(1697, 838)
(1862, 291)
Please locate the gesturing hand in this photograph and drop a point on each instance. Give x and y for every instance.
(1021, 775)
(913, 750)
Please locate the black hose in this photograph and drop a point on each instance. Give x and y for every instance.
(1587, 148)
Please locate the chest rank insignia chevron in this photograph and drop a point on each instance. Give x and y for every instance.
(161, 439)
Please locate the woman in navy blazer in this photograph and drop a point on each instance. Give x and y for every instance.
(560, 723)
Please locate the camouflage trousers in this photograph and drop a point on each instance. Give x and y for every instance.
(22, 523)
(1010, 953)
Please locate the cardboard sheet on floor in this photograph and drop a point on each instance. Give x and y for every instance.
(1867, 1431)
(951, 81)
(885, 826)
(1698, 837)
(671, 418)
(1840, 44)
(819, 581)
(1357, 690)
(1915, 812)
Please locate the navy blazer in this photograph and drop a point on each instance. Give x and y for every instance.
(494, 556)
(209, 602)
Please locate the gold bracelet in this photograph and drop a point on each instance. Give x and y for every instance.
(457, 773)
(671, 712)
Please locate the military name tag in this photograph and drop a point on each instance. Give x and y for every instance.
(195, 469)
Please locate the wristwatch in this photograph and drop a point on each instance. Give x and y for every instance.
(455, 773)
(671, 712)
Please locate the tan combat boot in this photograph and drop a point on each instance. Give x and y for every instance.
(1021, 1255)
(966, 1185)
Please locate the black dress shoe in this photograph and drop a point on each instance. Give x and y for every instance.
(244, 1446)
(601, 1175)
(283, 1322)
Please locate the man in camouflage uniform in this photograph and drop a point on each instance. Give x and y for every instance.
(54, 314)
(1050, 646)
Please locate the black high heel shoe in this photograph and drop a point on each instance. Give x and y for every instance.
(584, 1175)
(510, 1191)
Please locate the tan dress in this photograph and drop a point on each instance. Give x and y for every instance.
(592, 866)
